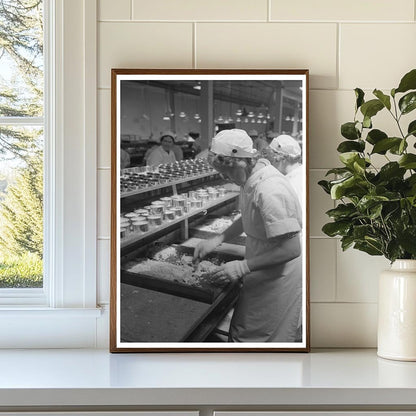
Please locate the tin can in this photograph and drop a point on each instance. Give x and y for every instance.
(169, 215)
(141, 226)
(154, 220)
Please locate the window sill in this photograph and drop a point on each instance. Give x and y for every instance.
(39, 327)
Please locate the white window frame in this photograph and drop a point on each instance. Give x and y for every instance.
(64, 313)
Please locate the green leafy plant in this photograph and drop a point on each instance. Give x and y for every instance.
(376, 212)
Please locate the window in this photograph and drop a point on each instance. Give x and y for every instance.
(63, 313)
(22, 128)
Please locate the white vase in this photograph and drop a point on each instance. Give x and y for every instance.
(397, 312)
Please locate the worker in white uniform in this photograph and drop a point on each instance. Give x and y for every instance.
(162, 154)
(269, 303)
(258, 142)
(285, 154)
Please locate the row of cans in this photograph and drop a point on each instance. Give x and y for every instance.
(166, 209)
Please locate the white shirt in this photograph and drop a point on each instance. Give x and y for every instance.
(295, 177)
(160, 156)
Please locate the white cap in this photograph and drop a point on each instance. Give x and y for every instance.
(253, 133)
(233, 142)
(286, 144)
(167, 133)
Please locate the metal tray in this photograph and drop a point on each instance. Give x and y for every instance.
(206, 294)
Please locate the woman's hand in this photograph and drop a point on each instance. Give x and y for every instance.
(205, 247)
(233, 270)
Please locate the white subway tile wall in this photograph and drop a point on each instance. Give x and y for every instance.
(270, 46)
(104, 128)
(201, 10)
(323, 269)
(355, 10)
(104, 202)
(114, 10)
(142, 45)
(344, 44)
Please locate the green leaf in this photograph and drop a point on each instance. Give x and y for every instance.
(348, 187)
(394, 251)
(333, 229)
(383, 145)
(349, 146)
(398, 149)
(368, 248)
(359, 95)
(342, 211)
(408, 82)
(369, 201)
(407, 240)
(385, 99)
(361, 231)
(408, 102)
(338, 171)
(391, 170)
(408, 161)
(375, 135)
(325, 186)
(411, 130)
(346, 242)
(348, 158)
(371, 108)
(375, 211)
(350, 131)
(367, 122)
(359, 166)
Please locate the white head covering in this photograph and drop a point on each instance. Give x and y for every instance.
(286, 144)
(167, 133)
(234, 143)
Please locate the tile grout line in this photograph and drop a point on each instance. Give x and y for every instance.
(338, 63)
(306, 22)
(194, 63)
(336, 271)
(269, 11)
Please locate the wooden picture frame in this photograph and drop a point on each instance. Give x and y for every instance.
(158, 303)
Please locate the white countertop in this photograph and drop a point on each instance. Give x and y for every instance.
(96, 377)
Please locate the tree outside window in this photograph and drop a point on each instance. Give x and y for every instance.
(21, 143)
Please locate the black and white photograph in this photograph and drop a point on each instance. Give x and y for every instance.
(209, 210)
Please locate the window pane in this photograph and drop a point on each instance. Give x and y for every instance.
(21, 206)
(21, 58)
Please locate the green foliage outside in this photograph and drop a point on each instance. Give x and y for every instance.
(21, 271)
(376, 212)
(21, 95)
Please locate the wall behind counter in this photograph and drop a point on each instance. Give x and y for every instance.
(345, 44)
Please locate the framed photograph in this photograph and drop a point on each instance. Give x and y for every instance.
(209, 211)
